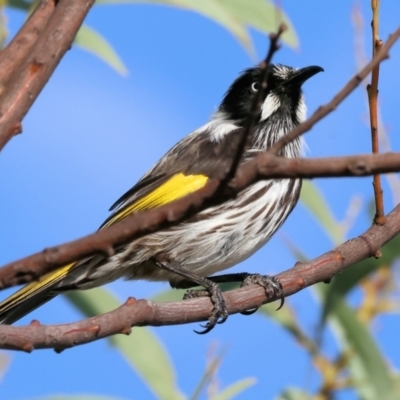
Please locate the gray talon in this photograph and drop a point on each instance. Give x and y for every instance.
(219, 313)
(271, 284)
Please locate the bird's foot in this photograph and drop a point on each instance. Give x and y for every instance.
(219, 313)
(271, 284)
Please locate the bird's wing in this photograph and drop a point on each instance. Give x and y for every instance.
(183, 170)
(165, 191)
(160, 191)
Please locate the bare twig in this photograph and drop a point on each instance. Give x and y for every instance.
(55, 39)
(264, 166)
(372, 90)
(269, 166)
(361, 59)
(323, 111)
(257, 101)
(142, 312)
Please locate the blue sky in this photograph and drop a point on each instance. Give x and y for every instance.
(92, 134)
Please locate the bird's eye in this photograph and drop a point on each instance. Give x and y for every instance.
(254, 86)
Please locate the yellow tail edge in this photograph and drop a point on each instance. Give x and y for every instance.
(32, 289)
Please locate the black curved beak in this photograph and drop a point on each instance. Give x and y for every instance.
(303, 74)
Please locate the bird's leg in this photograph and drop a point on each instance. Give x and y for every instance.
(271, 284)
(219, 314)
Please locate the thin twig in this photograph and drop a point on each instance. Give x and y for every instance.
(143, 312)
(270, 166)
(264, 166)
(384, 142)
(372, 90)
(323, 111)
(257, 101)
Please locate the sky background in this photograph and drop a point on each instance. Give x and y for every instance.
(92, 134)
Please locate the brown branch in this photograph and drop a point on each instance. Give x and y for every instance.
(55, 39)
(372, 90)
(30, 268)
(324, 110)
(39, 62)
(264, 166)
(21, 45)
(142, 312)
(269, 166)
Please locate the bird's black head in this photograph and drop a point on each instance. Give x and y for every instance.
(283, 94)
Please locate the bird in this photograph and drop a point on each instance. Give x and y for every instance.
(188, 253)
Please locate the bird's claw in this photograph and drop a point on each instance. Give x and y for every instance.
(271, 284)
(219, 313)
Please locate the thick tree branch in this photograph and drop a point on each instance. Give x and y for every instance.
(22, 43)
(264, 166)
(142, 312)
(42, 58)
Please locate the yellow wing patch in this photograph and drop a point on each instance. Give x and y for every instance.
(36, 286)
(174, 188)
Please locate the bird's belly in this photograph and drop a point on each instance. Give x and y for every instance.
(216, 238)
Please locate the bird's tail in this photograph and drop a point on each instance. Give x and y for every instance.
(32, 295)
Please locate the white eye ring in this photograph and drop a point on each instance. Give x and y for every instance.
(254, 87)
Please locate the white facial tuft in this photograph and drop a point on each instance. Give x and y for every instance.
(301, 111)
(270, 105)
(219, 126)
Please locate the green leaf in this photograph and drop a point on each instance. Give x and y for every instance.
(235, 389)
(208, 8)
(316, 204)
(368, 369)
(233, 15)
(295, 250)
(262, 15)
(4, 362)
(177, 294)
(294, 394)
(169, 295)
(19, 4)
(92, 41)
(77, 397)
(209, 373)
(348, 279)
(141, 349)
(284, 317)
(396, 382)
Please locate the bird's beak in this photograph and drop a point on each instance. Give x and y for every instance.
(301, 75)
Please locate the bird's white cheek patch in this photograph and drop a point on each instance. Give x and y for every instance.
(270, 105)
(301, 111)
